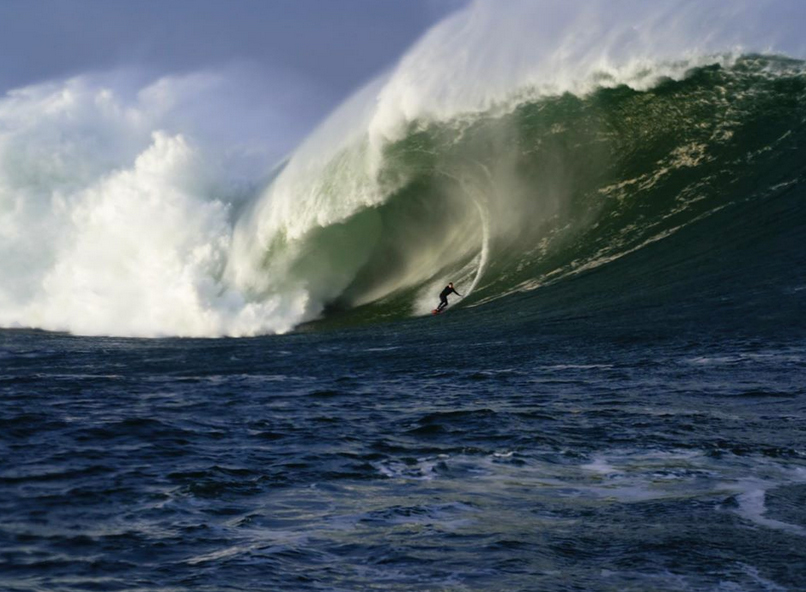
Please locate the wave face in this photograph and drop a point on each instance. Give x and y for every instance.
(506, 152)
(559, 186)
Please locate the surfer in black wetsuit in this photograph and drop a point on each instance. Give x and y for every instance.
(443, 296)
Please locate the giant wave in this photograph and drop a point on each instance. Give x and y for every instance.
(511, 149)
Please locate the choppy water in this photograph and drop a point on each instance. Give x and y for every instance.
(407, 458)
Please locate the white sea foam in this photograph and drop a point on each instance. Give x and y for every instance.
(752, 506)
(113, 220)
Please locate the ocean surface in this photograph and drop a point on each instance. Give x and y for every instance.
(210, 387)
(450, 453)
(590, 435)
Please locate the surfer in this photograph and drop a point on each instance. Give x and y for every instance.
(443, 296)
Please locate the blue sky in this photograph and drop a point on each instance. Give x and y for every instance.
(337, 44)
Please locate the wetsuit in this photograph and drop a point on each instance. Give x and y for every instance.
(443, 297)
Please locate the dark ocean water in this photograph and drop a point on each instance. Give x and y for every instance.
(620, 404)
(461, 452)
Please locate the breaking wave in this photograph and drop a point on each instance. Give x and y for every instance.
(511, 148)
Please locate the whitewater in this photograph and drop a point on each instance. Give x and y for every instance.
(122, 212)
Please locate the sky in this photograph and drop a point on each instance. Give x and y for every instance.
(318, 51)
(339, 43)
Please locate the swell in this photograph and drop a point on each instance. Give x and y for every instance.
(557, 187)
